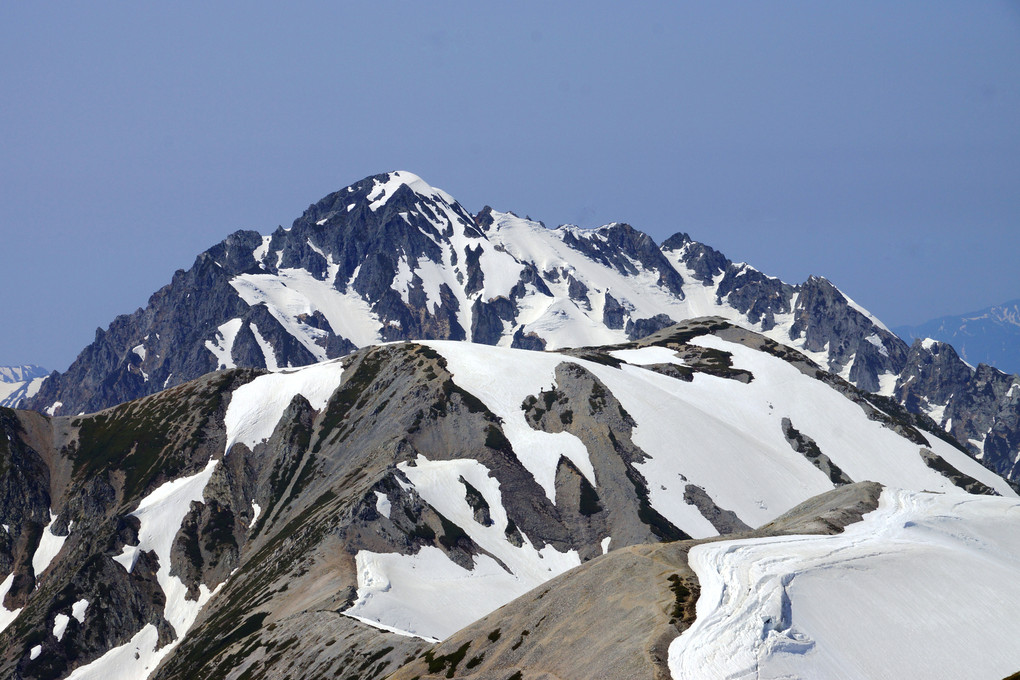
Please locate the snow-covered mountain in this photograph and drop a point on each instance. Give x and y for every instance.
(20, 382)
(392, 258)
(337, 519)
(989, 336)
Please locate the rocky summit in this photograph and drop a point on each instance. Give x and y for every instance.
(391, 258)
(449, 509)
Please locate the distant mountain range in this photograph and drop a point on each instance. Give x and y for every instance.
(18, 383)
(988, 336)
(392, 258)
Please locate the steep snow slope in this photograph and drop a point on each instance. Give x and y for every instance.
(923, 587)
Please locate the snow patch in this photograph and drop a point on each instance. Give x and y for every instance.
(645, 356)
(382, 504)
(260, 252)
(135, 659)
(78, 610)
(292, 294)
(605, 544)
(223, 343)
(268, 353)
(160, 515)
(60, 622)
(49, 545)
(877, 342)
(34, 653)
(382, 191)
(887, 384)
(7, 616)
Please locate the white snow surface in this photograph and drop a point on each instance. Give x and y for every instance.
(78, 610)
(429, 596)
(293, 293)
(260, 253)
(924, 587)
(269, 355)
(11, 393)
(160, 515)
(60, 622)
(49, 545)
(133, 660)
(645, 356)
(34, 653)
(6, 615)
(382, 504)
(562, 322)
(256, 408)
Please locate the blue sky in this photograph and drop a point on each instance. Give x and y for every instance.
(876, 144)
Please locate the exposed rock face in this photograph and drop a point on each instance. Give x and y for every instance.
(240, 527)
(391, 258)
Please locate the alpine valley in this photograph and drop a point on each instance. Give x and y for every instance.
(401, 440)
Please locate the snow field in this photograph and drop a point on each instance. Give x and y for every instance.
(295, 292)
(222, 345)
(645, 356)
(133, 660)
(921, 588)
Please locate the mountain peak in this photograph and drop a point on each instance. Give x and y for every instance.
(386, 185)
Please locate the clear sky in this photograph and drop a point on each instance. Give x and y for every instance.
(874, 143)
